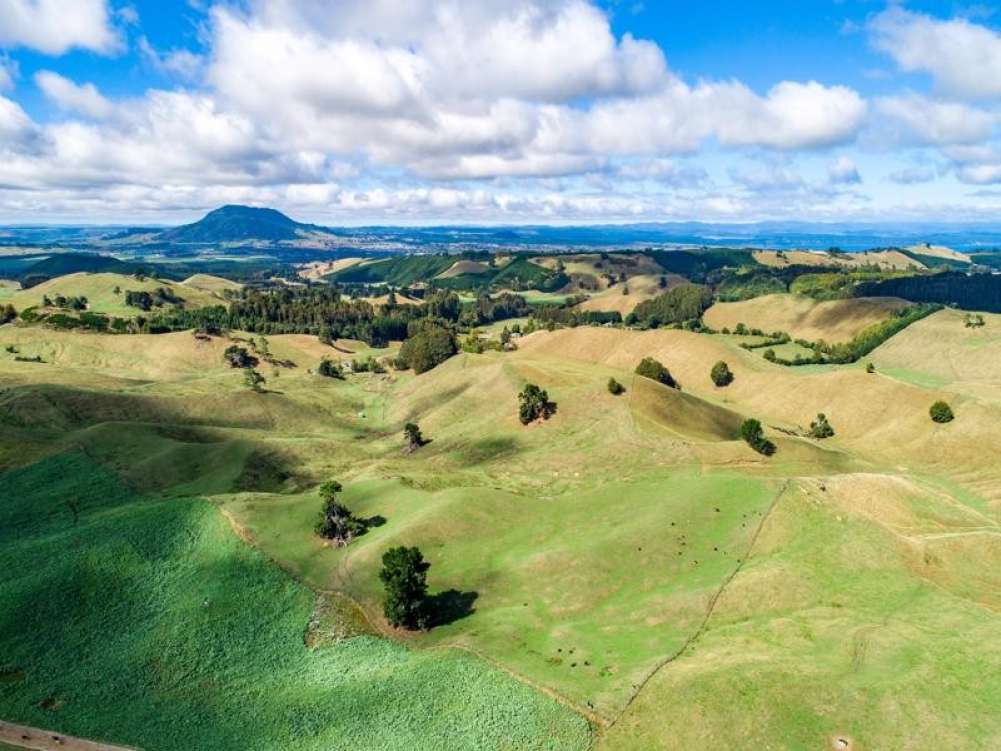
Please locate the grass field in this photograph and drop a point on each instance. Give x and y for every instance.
(630, 556)
(802, 317)
(152, 624)
(99, 289)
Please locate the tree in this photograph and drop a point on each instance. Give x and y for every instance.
(941, 412)
(404, 578)
(655, 371)
(330, 369)
(7, 314)
(336, 521)
(615, 388)
(254, 380)
(412, 434)
(428, 349)
(534, 404)
(721, 374)
(754, 435)
(870, 368)
(821, 428)
(685, 303)
(238, 357)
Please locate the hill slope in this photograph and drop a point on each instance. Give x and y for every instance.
(234, 224)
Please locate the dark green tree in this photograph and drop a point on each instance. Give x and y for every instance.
(428, 349)
(413, 437)
(336, 522)
(821, 428)
(7, 314)
(238, 357)
(534, 404)
(330, 369)
(655, 371)
(752, 432)
(404, 578)
(721, 374)
(941, 412)
(870, 368)
(615, 388)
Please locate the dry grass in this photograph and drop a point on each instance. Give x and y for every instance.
(641, 288)
(461, 268)
(885, 259)
(803, 317)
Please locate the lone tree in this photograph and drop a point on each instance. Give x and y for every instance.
(330, 369)
(941, 412)
(655, 371)
(721, 374)
(821, 428)
(7, 314)
(870, 368)
(412, 434)
(336, 522)
(534, 404)
(254, 380)
(404, 576)
(752, 432)
(615, 388)
(238, 357)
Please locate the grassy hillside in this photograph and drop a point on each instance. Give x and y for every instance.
(803, 317)
(152, 624)
(99, 289)
(631, 556)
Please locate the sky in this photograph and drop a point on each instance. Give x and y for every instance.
(500, 111)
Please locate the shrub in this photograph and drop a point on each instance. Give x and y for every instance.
(7, 314)
(534, 404)
(721, 374)
(238, 357)
(870, 368)
(754, 435)
(941, 412)
(821, 428)
(404, 578)
(655, 371)
(428, 349)
(254, 380)
(770, 355)
(615, 388)
(330, 369)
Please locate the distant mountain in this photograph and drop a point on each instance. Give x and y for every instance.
(235, 224)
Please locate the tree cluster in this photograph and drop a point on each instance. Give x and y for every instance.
(752, 432)
(721, 374)
(428, 348)
(821, 427)
(676, 306)
(534, 404)
(655, 371)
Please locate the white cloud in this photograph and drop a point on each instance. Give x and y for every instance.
(8, 72)
(82, 98)
(913, 175)
(56, 26)
(14, 123)
(179, 63)
(963, 58)
(923, 120)
(844, 171)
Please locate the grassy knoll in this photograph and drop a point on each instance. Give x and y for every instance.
(150, 623)
(99, 289)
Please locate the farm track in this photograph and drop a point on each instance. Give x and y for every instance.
(23, 736)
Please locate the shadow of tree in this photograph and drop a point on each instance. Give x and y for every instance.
(449, 606)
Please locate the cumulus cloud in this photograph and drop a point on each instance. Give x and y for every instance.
(963, 58)
(56, 26)
(67, 95)
(178, 63)
(922, 120)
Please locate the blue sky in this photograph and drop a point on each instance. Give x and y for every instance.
(500, 111)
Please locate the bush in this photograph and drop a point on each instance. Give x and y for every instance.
(330, 369)
(821, 428)
(404, 577)
(534, 404)
(428, 349)
(941, 412)
(721, 374)
(238, 357)
(7, 314)
(655, 371)
(615, 388)
(754, 435)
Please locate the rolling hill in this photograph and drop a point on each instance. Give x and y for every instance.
(239, 224)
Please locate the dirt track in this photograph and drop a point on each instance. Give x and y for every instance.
(45, 740)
